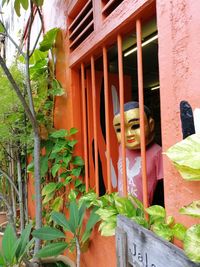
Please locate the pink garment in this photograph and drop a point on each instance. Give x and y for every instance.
(134, 170)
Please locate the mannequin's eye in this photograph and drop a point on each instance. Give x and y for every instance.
(118, 130)
(135, 126)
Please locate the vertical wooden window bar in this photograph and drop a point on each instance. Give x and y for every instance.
(107, 119)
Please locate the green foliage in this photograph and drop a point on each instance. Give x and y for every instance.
(192, 243)
(15, 249)
(74, 225)
(48, 40)
(185, 156)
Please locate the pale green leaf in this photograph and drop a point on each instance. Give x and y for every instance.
(49, 188)
(55, 169)
(179, 231)
(8, 243)
(73, 131)
(192, 243)
(157, 211)
(193, 209)
(185, 155)
(59, 133)
(57, 204)
(48, 40)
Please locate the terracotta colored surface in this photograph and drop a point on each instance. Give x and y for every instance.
(179, 62)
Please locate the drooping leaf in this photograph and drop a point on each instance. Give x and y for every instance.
(185, 156)
(57, 204)
(49, 188)
(38, 56)
(179, 231)
(192, 243)
(93, 219)
(53, 249)
(48, 197)
(72, 143)
(170, 220)
(141, 221)
(107, 228)
(106, 213)
(48, 233)
(49, 39)
(38, 2)
(55, 169)
(17, 7)
(193, 209)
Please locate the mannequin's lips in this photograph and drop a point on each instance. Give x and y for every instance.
(131, 140)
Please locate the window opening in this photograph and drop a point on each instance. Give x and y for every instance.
(107, 146)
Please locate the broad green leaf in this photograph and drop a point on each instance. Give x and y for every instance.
(163, 230)
(72, 195)
(48, 233)
(57, 204)
(17, 7)
(60, 133)
(125, 207)
(193, 209)
(136, 202)
(38, 56)
(49, 188)
(73, 131)
(192, 243)
(67, 180)
(74, 216)
(24, 3)
(53, 249)
(55, 169)
(8, 243)
(185, 156)
(179, 231)
(24, 240)
(48, 40)
(157, 211)
(61, 220)
(78, 161)
(76, 171)
(78, 182)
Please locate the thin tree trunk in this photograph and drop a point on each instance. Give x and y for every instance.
(21, 205)
(38, 198)
(12, 175)
(78, 253)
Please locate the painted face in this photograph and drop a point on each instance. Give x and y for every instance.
(132, 128)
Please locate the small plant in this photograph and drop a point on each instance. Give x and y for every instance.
(80, 234)
(15, 250)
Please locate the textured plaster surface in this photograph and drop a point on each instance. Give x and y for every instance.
(179, 62)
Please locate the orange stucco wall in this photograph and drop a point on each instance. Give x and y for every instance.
(179, 63)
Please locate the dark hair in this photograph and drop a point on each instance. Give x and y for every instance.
(133, 105)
